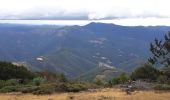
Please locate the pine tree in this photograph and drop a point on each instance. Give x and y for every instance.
(161, 51)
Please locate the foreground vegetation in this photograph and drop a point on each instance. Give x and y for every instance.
(20, 79)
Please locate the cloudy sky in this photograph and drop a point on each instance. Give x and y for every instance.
(86, 9)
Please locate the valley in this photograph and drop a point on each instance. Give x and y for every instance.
(76, 50)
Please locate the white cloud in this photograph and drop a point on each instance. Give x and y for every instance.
(82, 9)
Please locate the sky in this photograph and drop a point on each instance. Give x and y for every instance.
(138, 11)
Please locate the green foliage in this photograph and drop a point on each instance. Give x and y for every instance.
(62, 78)
(29, 89)
(145, 71)
(166, 71)
(49, 76)
(99, 82)
(44, 89)
(113, 81)
(162, 87)
(121, 79)
(51, 88)
(2, 83)
(162, 79)
(38, 81)
(52, 77)
(11, 82)
(75, 87)
(10, 89)
(10, 71)
(161, 51)
(35, 82)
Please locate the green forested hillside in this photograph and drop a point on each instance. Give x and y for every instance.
(74, 50)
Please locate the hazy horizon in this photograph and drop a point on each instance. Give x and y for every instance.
(122, 22)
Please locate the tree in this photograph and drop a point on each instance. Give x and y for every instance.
(161, 53)
(10, 71)
(146, 71)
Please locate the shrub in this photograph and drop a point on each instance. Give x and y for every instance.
(45, 89)
(12, 82)
(71, 87)
(162, 79)
(38, 81)
(75, 87)
(123, 78)
(162, 87)
(113, 81)
(62, 78)
(60, 87)
(118, 80)
(10, 89)
(99, 82)
(29, 89)
(145, 71)
(2, 83)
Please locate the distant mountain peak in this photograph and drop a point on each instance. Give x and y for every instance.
(99, 23)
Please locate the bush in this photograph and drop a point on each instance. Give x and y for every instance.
(2, 83)
(29, 89)
(123, 78)
(119, 80)
(11, 82)
(71, 87)
(38, 81)
(145, 71)
(48, 88)
(62, 78)
(162, 79)
(113, 81)
(75, 87)
(45, 89)
(162, 87)
(99, 82)
(60, 87)
(10, 89)
(38, 90)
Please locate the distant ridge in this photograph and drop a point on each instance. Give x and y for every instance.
(75, 50)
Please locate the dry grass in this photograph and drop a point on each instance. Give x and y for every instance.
(102, 94)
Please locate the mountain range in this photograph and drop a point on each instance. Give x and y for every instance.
(77, 50)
